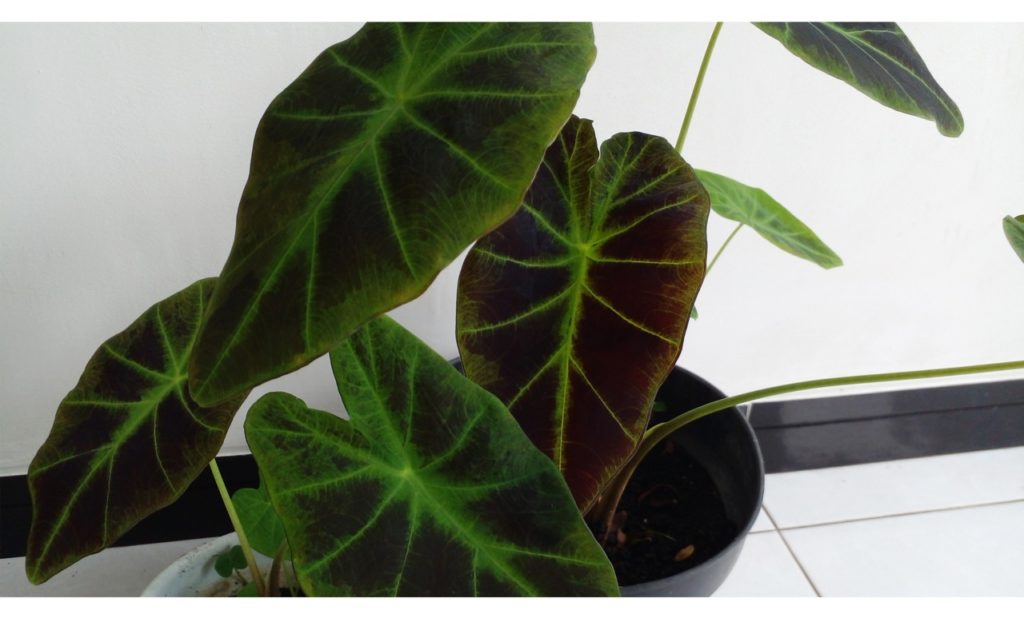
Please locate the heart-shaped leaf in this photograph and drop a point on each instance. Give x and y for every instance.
(876, 58)
(430, 489)
(1014, 229)
(573, 312)
(230, 561)
(371, 172)
(127, 440)
(755, 208)
(262, 526)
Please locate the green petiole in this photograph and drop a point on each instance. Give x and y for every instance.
(656, 434)
(229, 506)
(696, 88)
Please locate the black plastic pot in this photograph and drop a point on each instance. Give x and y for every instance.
(724, 444)
(726, 447)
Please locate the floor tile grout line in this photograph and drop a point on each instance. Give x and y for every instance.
(854, 520)
(785, 466)
(799, 564)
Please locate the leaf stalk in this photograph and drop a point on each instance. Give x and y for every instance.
(654, 435)
(695, 94)
(722, 248)
(229, 506)
(274, 579)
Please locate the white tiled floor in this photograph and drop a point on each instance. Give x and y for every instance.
(766, 569)
(950, 525)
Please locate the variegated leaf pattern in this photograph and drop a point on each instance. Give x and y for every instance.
(430, 489)
(127, 440)
(876, 58)
(573, 312)
(379, 165)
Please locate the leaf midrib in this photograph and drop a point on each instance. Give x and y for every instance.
(397, 100)
(476, 543)
(860, 43)
(420, 493)
(141, 412)
(587, 233)
(308, 218)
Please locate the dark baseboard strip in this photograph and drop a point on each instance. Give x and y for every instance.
(199, 513)
(855, 429)
(794, 435)
(903, 402)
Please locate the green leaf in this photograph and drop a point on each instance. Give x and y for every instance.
(249, 590)
(237, 557)
(755, 208)
(370, 173)
(230, 561)
(262, 526)
(127, 440)
(573, 312)
(1014, 229)
(223, 565)
(430, 489)
(875, 58)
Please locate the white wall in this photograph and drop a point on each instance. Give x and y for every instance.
(124, 148)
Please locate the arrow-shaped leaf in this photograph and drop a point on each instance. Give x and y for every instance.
(755, 208)
(430, 489)
(573, 311)
(127, 440)
(1014, 229)
(388, 156)
(262, 526)
(876, 58)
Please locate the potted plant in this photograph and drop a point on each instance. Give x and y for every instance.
(393, 152)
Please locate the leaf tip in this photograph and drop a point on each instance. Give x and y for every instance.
(952, 129)
(32, 572)
(832, 261)
(1013, 228)
(39, 568)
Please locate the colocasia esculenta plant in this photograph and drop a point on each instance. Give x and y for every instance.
(387, 157)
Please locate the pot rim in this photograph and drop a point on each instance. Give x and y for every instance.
(167, 579)
(175, 580)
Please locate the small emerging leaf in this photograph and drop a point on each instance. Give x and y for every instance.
(223, 565)
(128, 439)
(876, 58)
(230, 561)
(237, 557)
(1014, 229)
(755, 208)
(573, 311)
(379, 165)
(430, 489)
(262, 526)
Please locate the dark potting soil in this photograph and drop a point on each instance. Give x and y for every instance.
(672, 519)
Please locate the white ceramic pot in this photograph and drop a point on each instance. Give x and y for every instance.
(194, 575)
